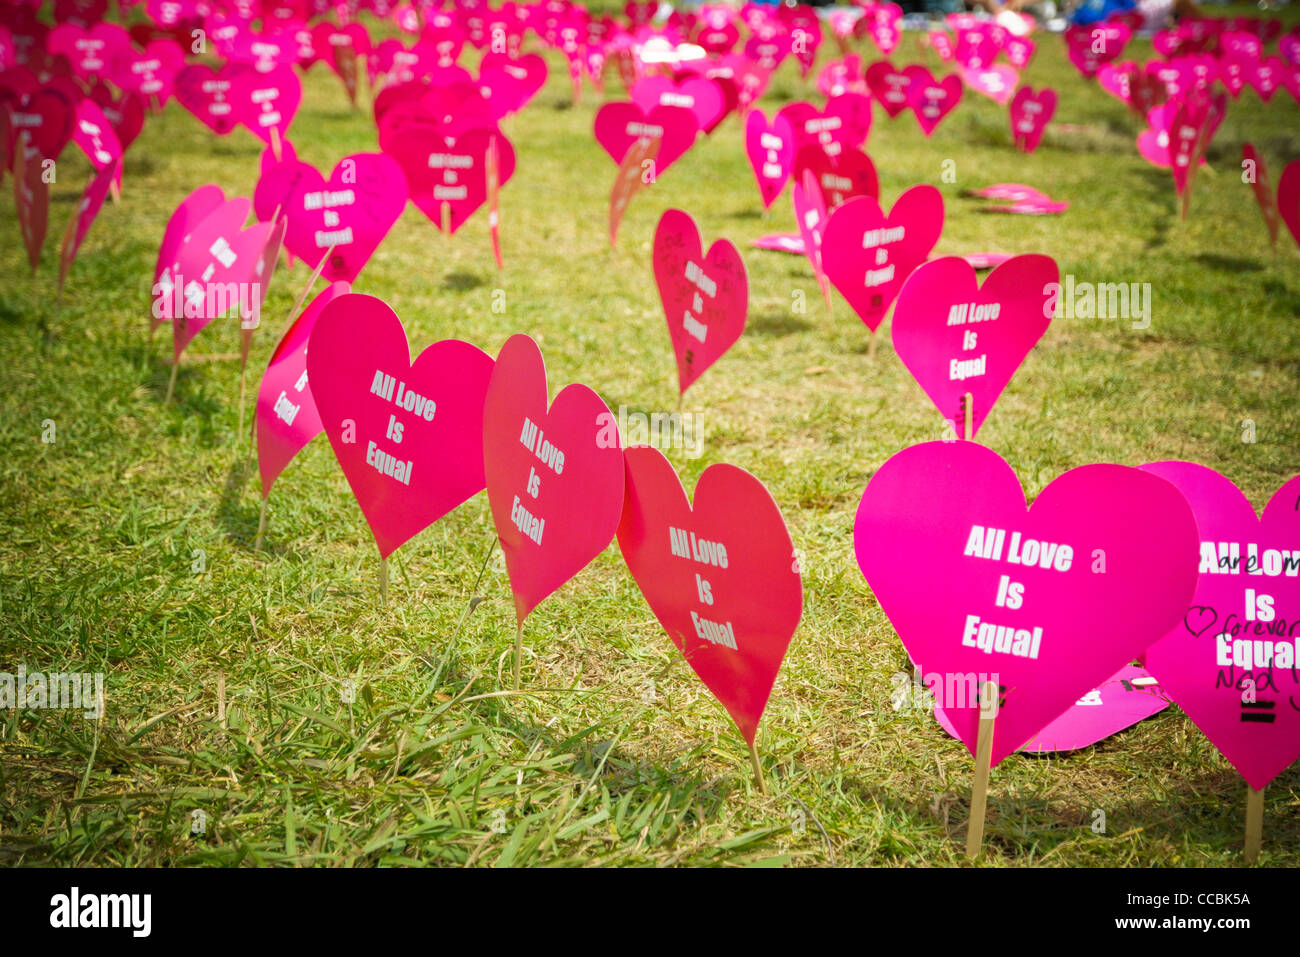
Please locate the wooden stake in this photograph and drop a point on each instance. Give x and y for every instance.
(302, 296)
(519, 651)
(171, 383)
(968, 410)
(383, 580)
(275, 149)
(1254, 824)
(983, 758)
(247, 337)
(261, 524)
(871, 346)
(758, 768)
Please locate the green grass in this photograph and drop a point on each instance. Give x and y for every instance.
(615, 753)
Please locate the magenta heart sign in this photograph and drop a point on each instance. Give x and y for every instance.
(286, 413)
(554, 475)
(407, 434)
(344, 218)
(705, 296)
(720, 576)
(868, 256)
(192, 210)
(770, 148)
(1047, 601)
(1232, 661)
(1031, 111)
(958, 338)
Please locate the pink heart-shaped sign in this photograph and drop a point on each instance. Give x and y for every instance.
(554, 475)
(930, 99)
(1046, 602)
(621, 124)
(888, 86)
(810, 216)
(699, 95)
(1288, 198)
(408, 435)
(221, 270)
(868, 256)
(840, 178)
(705, 297)
(998, 82)
(1030, 113)
(346, 217)
(958, 338)
(209, 94)
(1262, 187)
(287, 418)
(451, 173)
(266, 103)
(192, 210)
(770, 148)
(720, 576)
(1231, 661)
(92, 200)
(32, 204)
(125, 112)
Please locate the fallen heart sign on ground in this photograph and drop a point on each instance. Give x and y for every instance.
(705, 297)
(1047, 601)
(407, 434)
(720, 575)
(959, 339)
(1232, 661)
(1121, 701)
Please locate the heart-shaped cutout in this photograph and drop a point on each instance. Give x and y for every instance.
(720, 575)
(407, 435)
(958, 337)
(554, 475)
(868, 256)
(705, 297)
(1047, 601)
(1238, 679)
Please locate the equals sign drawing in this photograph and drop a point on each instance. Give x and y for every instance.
(1258, 711)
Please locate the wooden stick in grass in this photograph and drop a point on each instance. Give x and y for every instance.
(171, 383)
(968, 410)
(311, 282)
(1254, 824)
(758, 768)
(383, 580)
(519, 650)
(871, 346)
(983, 759)
(261, 524)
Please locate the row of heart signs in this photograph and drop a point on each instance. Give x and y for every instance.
(1166, 563)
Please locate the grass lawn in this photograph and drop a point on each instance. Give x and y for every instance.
(126, 544)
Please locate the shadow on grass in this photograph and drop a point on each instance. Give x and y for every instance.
(777, 324)
(1228, 264)
(238, 519)
(462, 282)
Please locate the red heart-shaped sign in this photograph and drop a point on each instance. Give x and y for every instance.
(705, 297)
(720, 576)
